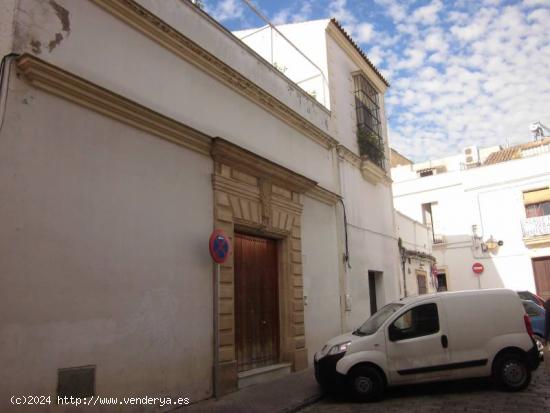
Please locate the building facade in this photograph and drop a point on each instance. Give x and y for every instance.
(417, 262)
(130, 130)
(488, 206)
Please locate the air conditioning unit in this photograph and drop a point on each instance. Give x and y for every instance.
(471, 155)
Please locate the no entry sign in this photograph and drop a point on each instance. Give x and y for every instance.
(219, 246)
(477, 268)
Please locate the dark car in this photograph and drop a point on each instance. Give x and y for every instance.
(537, 314)
(528, 295)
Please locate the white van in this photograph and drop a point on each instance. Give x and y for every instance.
(436, 337)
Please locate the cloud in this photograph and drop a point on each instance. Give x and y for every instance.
(396, 11)
(415, 58)
(293, 15)
(475, 76)
(339, 10)
(428, 14)
(227, 10)
(532, 3)
(363, 32)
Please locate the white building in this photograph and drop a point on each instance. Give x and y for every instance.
(417, 261)
(130, 131)
(489, 206)
(334, 66)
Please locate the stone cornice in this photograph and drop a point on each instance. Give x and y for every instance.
(370, 171)
(241, 159)
(156, 29)
(373, 173)
(323, 195)
(349, 156)
(48, 77)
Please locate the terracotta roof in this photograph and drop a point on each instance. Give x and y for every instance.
(514, 152)
(359, 50)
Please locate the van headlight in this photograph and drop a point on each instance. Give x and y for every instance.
(339, 348)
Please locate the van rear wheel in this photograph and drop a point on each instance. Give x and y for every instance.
(367, 384)
(511, 372)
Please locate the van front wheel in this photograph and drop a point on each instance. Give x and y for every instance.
(512, 373)
(367, 384)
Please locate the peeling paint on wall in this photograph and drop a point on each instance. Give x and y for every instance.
(55, 42)
(36, 46)
(41, 26)
(63, 15)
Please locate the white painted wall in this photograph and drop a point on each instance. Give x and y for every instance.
(371, 229)
(372, 243)
(102, 254)
(127, 213)
(143, 71)
(7, 20)
(490, 197)
(320, 274)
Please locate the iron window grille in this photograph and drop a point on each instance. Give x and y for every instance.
(369, 126)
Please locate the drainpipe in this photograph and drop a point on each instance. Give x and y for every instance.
(403, 261)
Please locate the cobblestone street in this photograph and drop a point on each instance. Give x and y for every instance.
(465, 396)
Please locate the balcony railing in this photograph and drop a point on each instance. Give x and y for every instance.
(535, 226)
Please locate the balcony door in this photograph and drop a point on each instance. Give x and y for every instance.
(541, 269)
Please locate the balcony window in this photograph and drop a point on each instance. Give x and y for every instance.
(537, 202)
(369, 125)
(537, 214)
(537, 210)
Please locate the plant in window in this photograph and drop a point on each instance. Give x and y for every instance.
(371, 146)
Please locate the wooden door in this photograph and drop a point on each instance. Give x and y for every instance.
(421, 280)
(541, 269)
(256, 302)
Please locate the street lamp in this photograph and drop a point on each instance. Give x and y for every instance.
(491, 243)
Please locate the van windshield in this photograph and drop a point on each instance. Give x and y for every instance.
(377, 319)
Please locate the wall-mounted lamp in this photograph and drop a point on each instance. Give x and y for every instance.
(491, 244)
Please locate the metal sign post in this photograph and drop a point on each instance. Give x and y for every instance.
(220, 248)
(216, 330)
(478, 268)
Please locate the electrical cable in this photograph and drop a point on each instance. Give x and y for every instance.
(346, 257)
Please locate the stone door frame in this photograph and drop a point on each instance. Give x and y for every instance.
(254, 195)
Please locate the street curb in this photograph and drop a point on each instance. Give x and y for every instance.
(302, 405)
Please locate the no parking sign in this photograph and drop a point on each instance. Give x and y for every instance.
(219, 246)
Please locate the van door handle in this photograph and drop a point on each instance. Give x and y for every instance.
(444, 341)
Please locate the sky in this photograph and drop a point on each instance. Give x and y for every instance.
(462, 72)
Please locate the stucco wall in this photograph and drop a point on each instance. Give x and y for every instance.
(102, 254)
(372, 243)
(321, 274)
(7, 20)
(141, 70)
